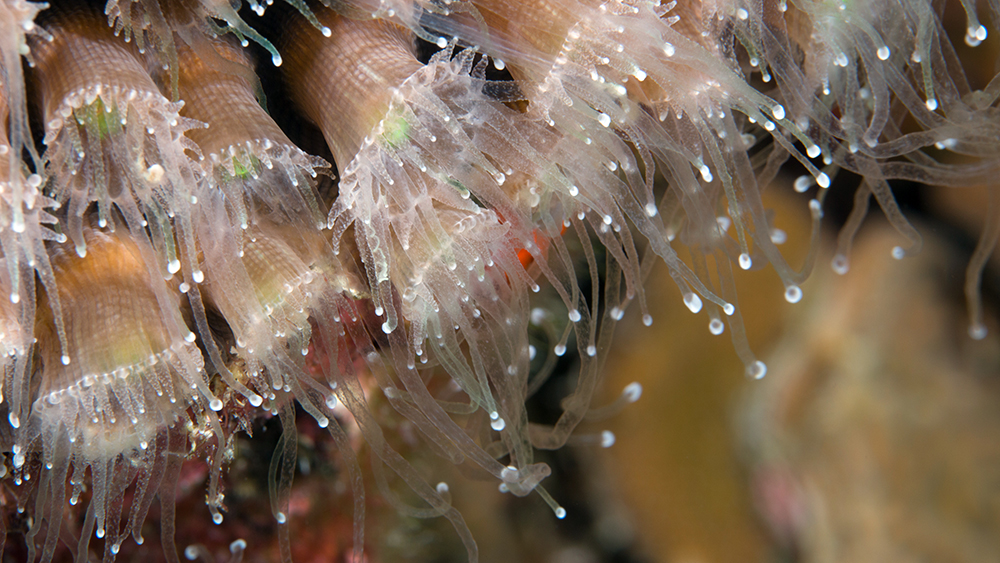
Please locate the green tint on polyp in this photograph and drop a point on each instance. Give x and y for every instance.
(130, 375)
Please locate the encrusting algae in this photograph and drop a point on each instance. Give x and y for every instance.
(506, 174)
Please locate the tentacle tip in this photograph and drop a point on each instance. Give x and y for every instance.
(977, 331)
(840, 264)
(237, 546)
(692, 301)
(716, 327)
(757, 370)
(632, 392)
(793, 294)
(607, 439)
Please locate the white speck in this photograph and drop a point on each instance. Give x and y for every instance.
(840, 264)
(607, 439)
(154, 174)
(706, 172)
(632, 392)
(692, 301)
(793, 294)
(977, 331)
(509, 474)
(538, 315)
(745, 261)
(758, 370)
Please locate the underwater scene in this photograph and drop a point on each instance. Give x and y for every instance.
(569, 281)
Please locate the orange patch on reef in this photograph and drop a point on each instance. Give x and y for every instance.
(541, 241)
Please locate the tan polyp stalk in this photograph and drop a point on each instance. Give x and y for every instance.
(113, 138)
(83, 54)
(242, 143)
(121, 321)
(335, 81)
(542, 25)
(266, 293)
(132, 371)
(225, 101)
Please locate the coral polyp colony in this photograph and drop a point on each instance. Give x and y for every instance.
(178, 269)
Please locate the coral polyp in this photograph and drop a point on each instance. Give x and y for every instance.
(106, 402)
(397, 216)
(113, 139)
